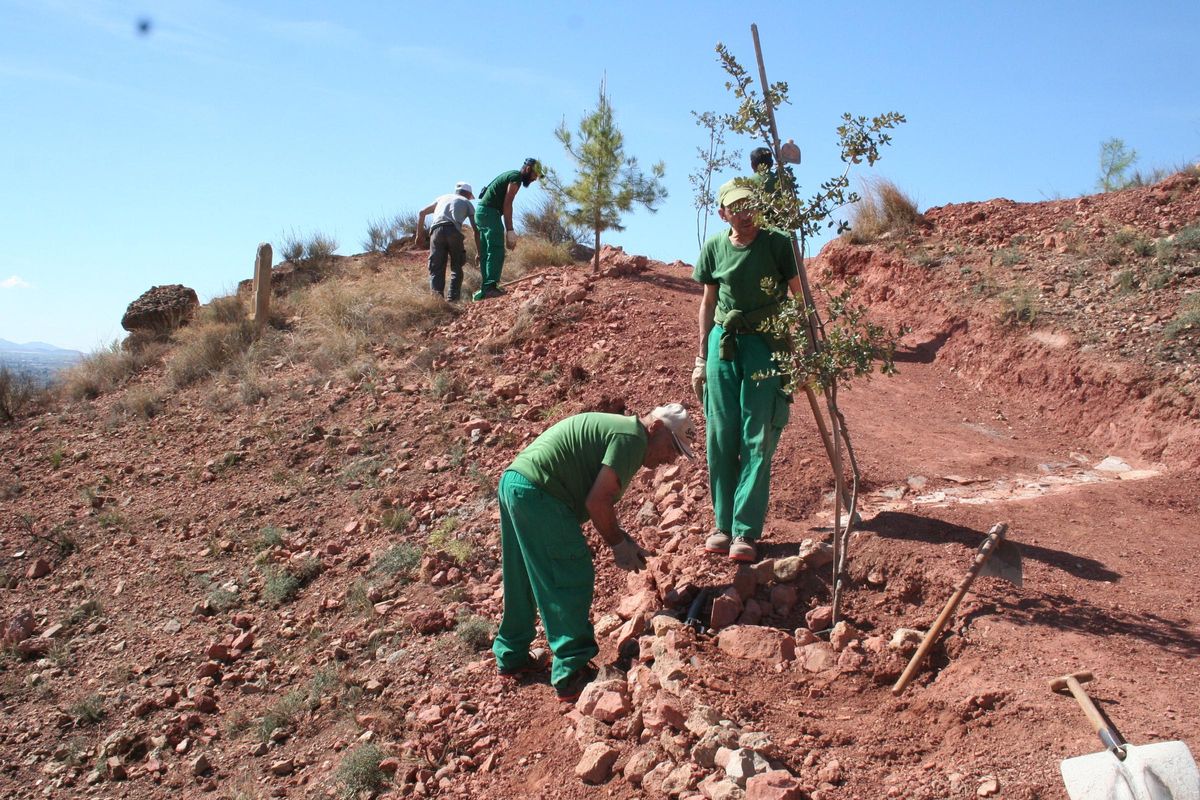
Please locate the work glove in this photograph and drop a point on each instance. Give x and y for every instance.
(510, 239)
(628, 556)
(699, 378)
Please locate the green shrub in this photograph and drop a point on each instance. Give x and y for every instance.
(401, 559)
(268, 537)
(1187, 320)
(1126, 282)
(282, 584)
(396, 519)
(88, 711)
(474, 632)
(360, 772)
(1019, 306)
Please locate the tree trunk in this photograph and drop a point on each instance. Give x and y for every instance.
(596, 254)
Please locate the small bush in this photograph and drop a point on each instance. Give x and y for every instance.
(140, 402)
(309, 252)
(442, 538)
(534, 252)
(401, 559)
(1009, 256)
(216, 339)
(360, 772)
(545, 221)
(283, 713)
(396, 519)
(1187, 239)
(1125, 282)
(1187, 320)
(17, 391)
(382, 232)
(1019, 306)
(88, 711)
(281, 585)
(882, 208)
(106, 369)
(268, 537)
(474, 632)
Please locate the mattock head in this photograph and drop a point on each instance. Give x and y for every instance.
(1060, 684)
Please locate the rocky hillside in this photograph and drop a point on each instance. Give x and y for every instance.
(282, 581)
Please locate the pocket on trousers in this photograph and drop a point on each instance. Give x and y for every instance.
(571, 561)
(783, 409)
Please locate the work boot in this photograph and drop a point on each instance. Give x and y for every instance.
(536, 661)
(718, 543)
(570, 689)
(742, 549)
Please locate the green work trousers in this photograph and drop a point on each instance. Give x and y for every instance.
(490, 223)
(547, 568)
(745, 417)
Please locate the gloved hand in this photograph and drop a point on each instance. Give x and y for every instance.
(699, 378)
(629, 556)
(510, 239)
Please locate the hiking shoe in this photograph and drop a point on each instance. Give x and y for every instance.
(570, 689)
(718, 542)
(535, 662)
(742, 549)
(494, 291)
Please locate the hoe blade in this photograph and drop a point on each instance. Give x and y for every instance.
(1005, 562)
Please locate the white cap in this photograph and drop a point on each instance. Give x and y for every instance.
(463, 186)
(675, 417)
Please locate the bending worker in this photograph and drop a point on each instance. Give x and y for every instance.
(745, 414)
(449, 211)
(574, 471)
(494, 220)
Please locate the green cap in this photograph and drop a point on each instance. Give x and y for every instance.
(730, 193)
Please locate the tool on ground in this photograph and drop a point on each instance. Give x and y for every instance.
(1006, 565)
(1160, 771)
(693, 620)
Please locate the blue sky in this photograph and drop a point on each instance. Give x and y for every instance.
(129, 161)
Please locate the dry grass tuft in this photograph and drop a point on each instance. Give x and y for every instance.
(216, 340)
(107, 368)
(534, 252)
(883, 208)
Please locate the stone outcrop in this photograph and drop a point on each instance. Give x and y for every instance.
(159, 312)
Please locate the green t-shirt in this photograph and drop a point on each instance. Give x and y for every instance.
(565, 460)
(739, 271)
(495, 192)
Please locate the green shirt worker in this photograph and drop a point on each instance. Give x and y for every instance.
(745, 415)
(573, 472)
(494, 221)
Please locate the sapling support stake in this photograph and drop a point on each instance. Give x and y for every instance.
(833, 446)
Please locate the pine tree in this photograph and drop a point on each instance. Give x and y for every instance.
(607, 184)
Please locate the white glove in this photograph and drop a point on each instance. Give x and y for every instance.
(629, 556)
(699, 378)
(510, 239)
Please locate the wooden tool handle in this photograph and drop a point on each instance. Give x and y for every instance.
(914, 664)
(1107, 732)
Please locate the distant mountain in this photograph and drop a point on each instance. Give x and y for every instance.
(38, 359)
(36, 347)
